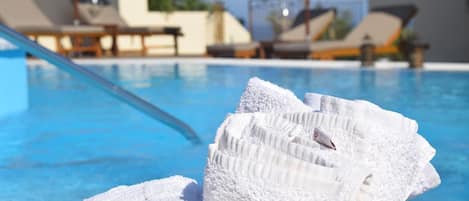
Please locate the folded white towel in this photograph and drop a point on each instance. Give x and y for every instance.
(428, 178)
(253, 101)
(365, 110)
(258, 159)
(263, 96)
(175, 188)
(395, 137)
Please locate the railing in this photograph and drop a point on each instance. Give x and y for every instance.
(97, 81)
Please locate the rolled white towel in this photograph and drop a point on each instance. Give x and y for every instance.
(429, 179)
(175, 188)
(263, 96)
(254, 100)
(391, 122)
(259, 159)
(361, 109)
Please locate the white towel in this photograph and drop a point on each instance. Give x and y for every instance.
(253, 101)
(258, 160)
(428, 178)
(313, 100)
(263, 96)
(396, 137)
(175, 188)
(365, 110)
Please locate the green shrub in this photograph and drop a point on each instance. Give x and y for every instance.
(341, 26)
(172, 5)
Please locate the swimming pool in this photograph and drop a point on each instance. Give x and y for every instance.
(75, 141)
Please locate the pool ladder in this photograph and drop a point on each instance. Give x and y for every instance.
(97, 81)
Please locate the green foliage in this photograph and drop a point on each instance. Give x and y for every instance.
(172, 5)
(406, 38)
(193, 5)
(160, 5)
(274, 20)
(407, 35)
(341, 26)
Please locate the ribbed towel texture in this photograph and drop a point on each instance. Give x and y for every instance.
(175, 188)
(383, 142)
(391, 125)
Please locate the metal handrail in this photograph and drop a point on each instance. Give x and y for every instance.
(97, 81)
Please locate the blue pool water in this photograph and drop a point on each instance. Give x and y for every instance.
(75, 141)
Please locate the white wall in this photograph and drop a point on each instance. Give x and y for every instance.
(197, 27)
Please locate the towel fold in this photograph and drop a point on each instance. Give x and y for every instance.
(263, 96)
(395, 136)
(175, 188)
(428, 178)
(256, 157)
(386, 120)
(313, 100)
(365, 110)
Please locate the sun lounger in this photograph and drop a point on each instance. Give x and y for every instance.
(320, 20)
(239, 50)
(382, 26)
(25, 17)
(108, 16)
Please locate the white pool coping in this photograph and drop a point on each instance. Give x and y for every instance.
(278, 63)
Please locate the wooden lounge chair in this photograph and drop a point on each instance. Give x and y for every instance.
(320, 21)
(25, 17)
(381, 27)
(106, 15)
(238, 50)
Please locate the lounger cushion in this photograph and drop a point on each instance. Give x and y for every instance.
(100, 15)
(316, 25)
(81, 29)
(59, 12)
(108, 15)
(299, 47)
(37, 29)
(232, 47)
(380, 26)
(22, 13)
(311, 47)
(68, 29)
(149, 30)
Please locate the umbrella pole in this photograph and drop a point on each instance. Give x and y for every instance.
(307, 16)
(76, 16)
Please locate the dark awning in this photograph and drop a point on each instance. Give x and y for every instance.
(300, 18)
